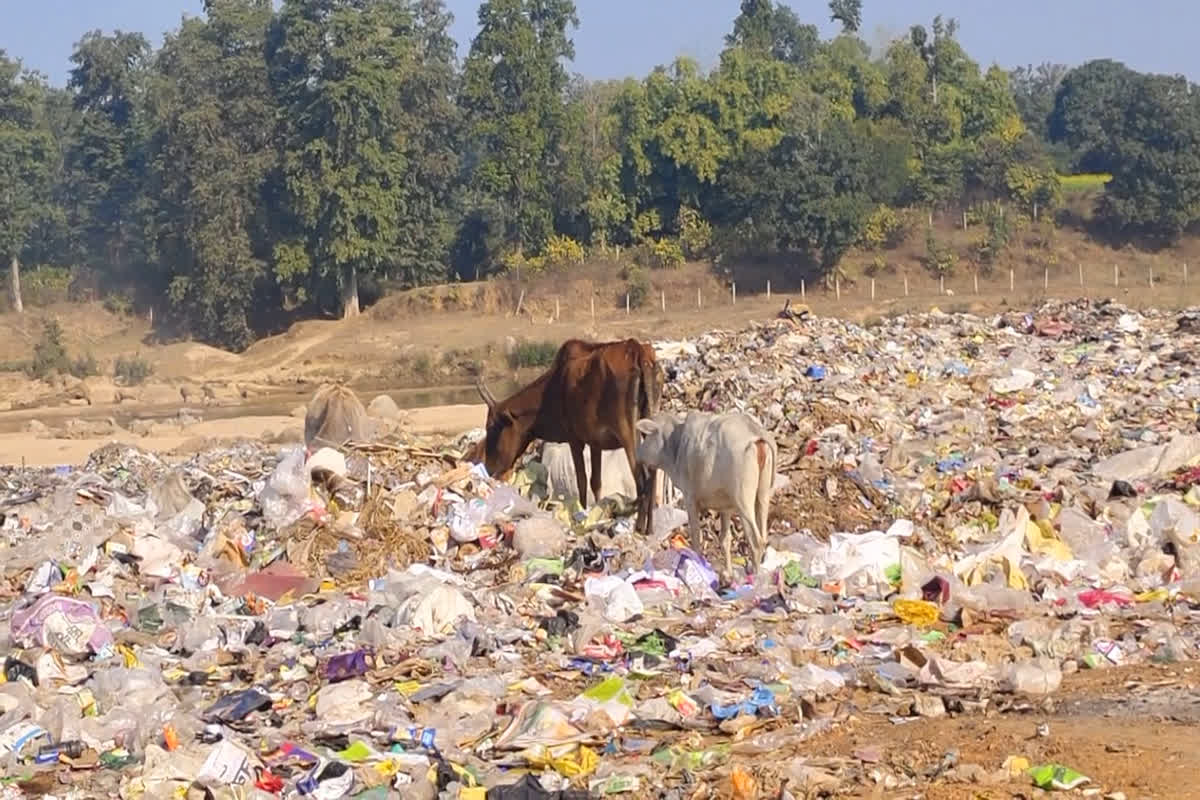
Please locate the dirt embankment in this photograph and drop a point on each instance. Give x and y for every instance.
(425, 346)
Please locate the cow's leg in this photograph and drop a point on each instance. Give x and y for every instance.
(596, 454)
(727, 545)
(649, 475)
(755, 536)
(580, 473)
(642, 525)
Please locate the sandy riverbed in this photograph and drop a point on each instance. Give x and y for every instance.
(22, 448)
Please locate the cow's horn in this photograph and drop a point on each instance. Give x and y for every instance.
(485, 393)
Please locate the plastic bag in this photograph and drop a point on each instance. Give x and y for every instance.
(63, 624)
(285, 497)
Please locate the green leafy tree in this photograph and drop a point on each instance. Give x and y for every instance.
(431, 127)
(211, 154)
(514, 85)
(1034, 90)
(773, 29)
(1089, 112)
(26, 165)
(848, 13)
(104, 159)
(339, 70)
(808, 193)
(1155, 160)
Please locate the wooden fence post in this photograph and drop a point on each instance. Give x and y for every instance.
(627, 304)
(664, 301)
(1046, 280)
(593, 309)
(837, 287)
(1116, 276)
(733, 292)
(768, 288)
(1011, 281)
(975, 280)
(1081, 274)
(872, 288)
(802, 294)
(906, 285)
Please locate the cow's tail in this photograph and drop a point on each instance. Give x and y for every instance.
(765, 458)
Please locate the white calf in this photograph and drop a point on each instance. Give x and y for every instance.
(719, 462)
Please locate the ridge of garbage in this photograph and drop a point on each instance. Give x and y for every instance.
(967, 509)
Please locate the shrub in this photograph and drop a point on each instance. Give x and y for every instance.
(997, 235)
(884, 229)
(645, 224)
(84, 366)
(422, 367)
(119, 305)
(878, 266)
(695, 233)
(533, 354)
(637, 286)
(45, 285)
(938, 259)
(659, 254)
(131, 370)
(49, 353)
(563, 251)
(517, 262)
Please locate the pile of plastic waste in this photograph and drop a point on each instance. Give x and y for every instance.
(969, 509)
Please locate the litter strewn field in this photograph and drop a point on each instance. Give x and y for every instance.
(984, 542)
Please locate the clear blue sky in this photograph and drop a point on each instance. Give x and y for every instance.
(623, 37)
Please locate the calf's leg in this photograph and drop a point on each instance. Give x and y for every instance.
(727, 545)
(694, 531)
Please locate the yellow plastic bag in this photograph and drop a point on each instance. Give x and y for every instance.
(921, 613)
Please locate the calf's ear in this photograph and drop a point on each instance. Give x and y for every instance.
(646, 426)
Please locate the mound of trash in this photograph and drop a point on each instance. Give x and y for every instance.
(969, 510)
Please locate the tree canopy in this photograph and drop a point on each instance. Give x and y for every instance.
(274, 157)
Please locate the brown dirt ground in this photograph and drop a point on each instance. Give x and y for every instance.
(1129, 729)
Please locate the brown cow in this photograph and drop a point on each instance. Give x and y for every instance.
(593, 394)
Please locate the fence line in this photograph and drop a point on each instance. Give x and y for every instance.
(877, 289)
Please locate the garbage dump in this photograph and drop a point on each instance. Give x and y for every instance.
(968, 510)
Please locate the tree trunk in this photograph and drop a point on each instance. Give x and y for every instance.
(350, 293)
(15, 267)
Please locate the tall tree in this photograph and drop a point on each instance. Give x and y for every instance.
(1033, 90)
(432, 134)
(766, 27)
(104, 160)
(1089, 112)
(514, 85)
(26, 159)
(211, 155)
(809, 193)
(340, 69)
(1155, 160)
(847, 12)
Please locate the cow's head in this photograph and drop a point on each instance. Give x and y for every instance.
(505, 439)
(655, 433)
